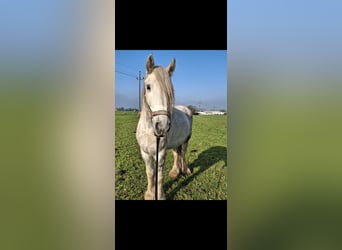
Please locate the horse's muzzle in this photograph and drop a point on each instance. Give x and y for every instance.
(160, 132)
(161, 125)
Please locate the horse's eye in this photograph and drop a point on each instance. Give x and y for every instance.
(148, 87)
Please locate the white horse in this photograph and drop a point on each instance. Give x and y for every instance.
(161, 118)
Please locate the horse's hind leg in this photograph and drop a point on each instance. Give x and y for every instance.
(176, 162)
(184, 166)
(179, 164)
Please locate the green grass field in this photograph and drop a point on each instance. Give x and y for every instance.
(206, 157)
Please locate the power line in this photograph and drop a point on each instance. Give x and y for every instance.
(125, 74)
(139, 78)
(127, 66)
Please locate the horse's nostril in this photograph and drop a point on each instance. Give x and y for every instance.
(157, 125)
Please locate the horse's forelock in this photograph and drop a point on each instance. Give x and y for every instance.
(164, 80)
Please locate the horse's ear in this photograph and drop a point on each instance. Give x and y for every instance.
(149, 63)
(171, 67)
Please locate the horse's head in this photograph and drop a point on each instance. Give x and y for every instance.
(158, 95)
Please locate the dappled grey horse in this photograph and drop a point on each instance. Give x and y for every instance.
(161, 118)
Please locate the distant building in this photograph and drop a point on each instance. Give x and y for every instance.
(211, 112)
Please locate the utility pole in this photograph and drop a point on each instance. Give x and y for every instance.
(139, 78)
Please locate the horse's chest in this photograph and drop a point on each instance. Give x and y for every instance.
(146, 139)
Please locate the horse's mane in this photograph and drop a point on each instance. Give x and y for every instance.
(165, 82)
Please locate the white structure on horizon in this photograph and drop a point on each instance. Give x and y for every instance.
(211, 112)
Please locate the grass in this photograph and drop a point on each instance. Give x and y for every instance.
(206, 157)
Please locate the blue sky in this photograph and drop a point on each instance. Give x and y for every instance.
(200, 77)
(285, 36)
(36, 33)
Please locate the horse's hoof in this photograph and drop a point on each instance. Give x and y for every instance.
(161, 196)
(173, 174)
(187, 171)
(149, 196)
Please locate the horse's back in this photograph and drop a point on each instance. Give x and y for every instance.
(184, 109)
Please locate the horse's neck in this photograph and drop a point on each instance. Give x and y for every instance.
(145, 116)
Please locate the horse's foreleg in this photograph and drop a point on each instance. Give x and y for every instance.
(149, 194)
(161, 160)
(150, 172)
